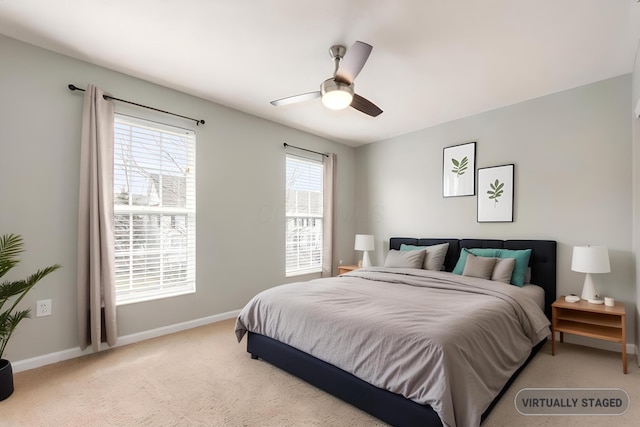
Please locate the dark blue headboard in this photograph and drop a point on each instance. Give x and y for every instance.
(542, 261)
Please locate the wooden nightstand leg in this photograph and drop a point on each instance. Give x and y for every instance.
(553, 331)
(561, 337)
(623, 323)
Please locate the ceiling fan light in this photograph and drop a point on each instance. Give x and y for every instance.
(337, 100)
(336, 95)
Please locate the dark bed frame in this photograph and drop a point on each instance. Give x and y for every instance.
(385, 405)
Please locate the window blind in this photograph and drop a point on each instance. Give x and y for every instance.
(154, 209)
(304, 215)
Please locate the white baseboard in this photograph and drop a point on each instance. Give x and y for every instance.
(72, 353)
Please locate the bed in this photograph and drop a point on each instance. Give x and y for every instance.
(370, 355)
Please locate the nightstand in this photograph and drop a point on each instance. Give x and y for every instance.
(346, 268)
(589, 320)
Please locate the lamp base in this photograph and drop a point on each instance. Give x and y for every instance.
(589, 290)
(595, 301)
(366, 261)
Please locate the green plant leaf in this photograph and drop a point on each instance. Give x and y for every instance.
(12, 292)
(10, 247)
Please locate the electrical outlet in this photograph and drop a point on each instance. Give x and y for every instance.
(43, 308)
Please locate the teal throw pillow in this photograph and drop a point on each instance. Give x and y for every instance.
(404, 247)
(522, 262)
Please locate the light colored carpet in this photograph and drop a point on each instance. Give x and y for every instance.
(203, 377)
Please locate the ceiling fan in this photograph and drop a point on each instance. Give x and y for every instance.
(338, 92)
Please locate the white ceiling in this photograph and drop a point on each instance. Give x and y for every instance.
(433, 60)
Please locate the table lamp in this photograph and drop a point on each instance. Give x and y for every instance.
(364, 243)
(590, 260)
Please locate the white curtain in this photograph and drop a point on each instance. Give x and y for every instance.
(96, 291)
(329, 163)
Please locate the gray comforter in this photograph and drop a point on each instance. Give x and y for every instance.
(437, 338)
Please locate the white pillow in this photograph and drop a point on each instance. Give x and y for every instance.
(434, 260)
(503, 270)
(434, 255)
(404, 259)
(478, 266)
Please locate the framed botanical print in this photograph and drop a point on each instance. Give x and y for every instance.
(495, 194)
(459, 170)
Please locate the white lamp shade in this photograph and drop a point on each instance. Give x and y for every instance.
(364, 242)
(590, 259)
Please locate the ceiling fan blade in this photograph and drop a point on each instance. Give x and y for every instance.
(353, 61)
(365, 106)
(296, 98)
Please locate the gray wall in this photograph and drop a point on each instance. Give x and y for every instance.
(240, 193)
(573, 181)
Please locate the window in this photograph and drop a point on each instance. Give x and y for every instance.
(154, 209)
(303, 216)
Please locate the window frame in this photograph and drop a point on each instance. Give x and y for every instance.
(173, 223)
(315, 267)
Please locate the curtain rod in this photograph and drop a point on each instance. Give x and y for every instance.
(107, 97)
(304, 149)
